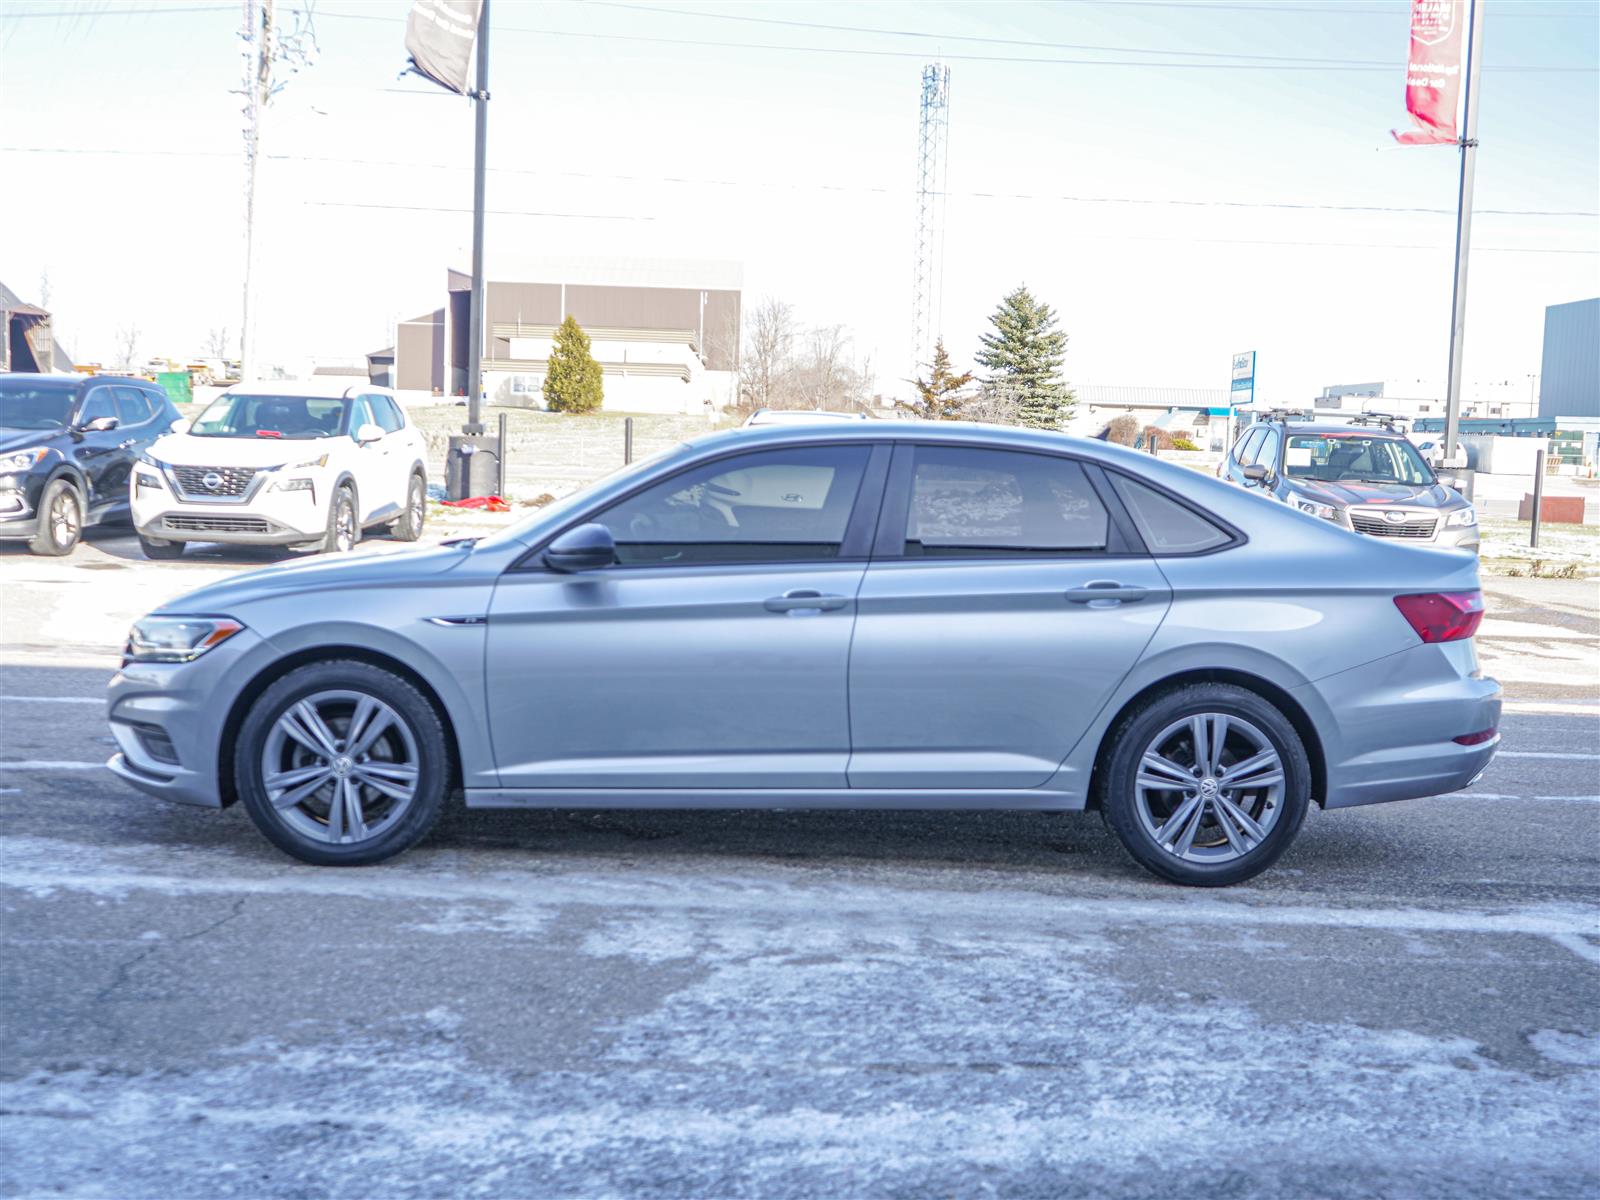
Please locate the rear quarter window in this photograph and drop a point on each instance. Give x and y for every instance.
(1167, 526)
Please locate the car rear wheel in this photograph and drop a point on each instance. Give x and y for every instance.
(1206, 785)
(342, 763)
(158, 549)
(344, 531)
(60, 520)
(409, 527)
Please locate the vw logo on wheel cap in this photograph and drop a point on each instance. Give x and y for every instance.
(212, 480)
(1395, 518)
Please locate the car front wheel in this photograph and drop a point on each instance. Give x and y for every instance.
(342, 763)
(344, 530)
(60, 520)
(1206, 785)
(157, 549)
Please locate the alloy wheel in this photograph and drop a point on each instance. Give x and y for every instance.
(1209, 788)
(64, 521)
(418, 503)
(344, 530)
(340, 766)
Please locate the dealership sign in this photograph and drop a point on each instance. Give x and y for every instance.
(1433, 73)
(1243, 390)
(439, 36)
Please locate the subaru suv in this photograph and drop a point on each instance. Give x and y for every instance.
(283, 464)
(1365, 476)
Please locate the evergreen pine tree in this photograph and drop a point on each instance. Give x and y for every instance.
(572, 378)
(1023, 357)
(939, 396)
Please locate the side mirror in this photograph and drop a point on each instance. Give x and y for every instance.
(100, 425)
(369, 433)
(1256, 473)
(181, 425)
(586, 548)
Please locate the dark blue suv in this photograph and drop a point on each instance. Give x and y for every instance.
(67, 448)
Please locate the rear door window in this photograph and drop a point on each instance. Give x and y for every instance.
(967, 502)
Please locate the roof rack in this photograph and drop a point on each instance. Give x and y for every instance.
(1284, 414)
(1388, 420)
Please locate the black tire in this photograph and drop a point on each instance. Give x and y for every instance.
(60, 520)
(426, 730)
(409, 527)
(160, 550)
(344, 525)
(1133, 735)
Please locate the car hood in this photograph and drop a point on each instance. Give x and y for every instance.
(186, 450)
(12, 440)
(318, 574)
(1352, 492)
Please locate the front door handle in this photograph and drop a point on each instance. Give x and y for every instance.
(1103, 590)
(804, 602)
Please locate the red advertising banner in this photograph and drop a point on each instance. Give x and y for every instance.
(1433, 72)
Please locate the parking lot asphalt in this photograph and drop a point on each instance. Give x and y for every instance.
(789, 1004)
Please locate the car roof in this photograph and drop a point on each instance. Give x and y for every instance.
(1336, 427)
(326, 389)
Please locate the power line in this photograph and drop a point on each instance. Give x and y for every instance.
(992, 41)
(496, 212)
(860, 51)
(1283, 205)
(62, 13)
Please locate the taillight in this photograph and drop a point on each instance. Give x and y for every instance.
(1442, 616)
(1476, 739)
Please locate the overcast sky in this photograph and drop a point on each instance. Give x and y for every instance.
(1174, 207)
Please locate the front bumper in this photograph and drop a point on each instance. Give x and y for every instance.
(1388, 727)
(267, 519)
(175, 711)
(19, 504)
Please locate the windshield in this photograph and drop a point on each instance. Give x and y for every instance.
(35, 405)
(293, 418)
(1354, 458)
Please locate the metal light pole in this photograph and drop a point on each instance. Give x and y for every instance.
(1468, 144)
(480, 150)
(258, 89)
(473, 464)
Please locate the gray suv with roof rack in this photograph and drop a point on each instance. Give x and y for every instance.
(1364, 475)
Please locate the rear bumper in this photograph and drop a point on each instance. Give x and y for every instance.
(1389, 727)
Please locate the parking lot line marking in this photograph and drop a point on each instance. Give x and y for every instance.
(48, 765)
(1547, 754)
(55, 699)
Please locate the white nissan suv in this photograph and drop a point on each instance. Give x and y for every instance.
(283, 463)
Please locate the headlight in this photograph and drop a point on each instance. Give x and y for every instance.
(302, 484)
(321, 461)
(1315, 507)
(22, 460)
(176, 639)
(144, 479)
(151, 462)
(1463, 516)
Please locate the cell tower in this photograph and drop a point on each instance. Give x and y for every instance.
(932, 163)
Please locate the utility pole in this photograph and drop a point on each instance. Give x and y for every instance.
(1468, 144)
(257, 89)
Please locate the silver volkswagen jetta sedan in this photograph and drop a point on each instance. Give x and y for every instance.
(866, 615)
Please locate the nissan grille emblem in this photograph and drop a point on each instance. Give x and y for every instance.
(1394, 518)
(213, 481)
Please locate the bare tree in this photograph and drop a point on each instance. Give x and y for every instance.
(127, 345)
(217, 343)
(993, 404)
(827, 368)
(44, 288)
(766, 354)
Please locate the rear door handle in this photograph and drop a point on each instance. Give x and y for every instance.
(804, 602)
(1105, 589)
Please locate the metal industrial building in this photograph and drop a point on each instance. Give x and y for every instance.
(666, 333)
(1569, 381)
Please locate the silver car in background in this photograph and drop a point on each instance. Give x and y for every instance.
(851, 615)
